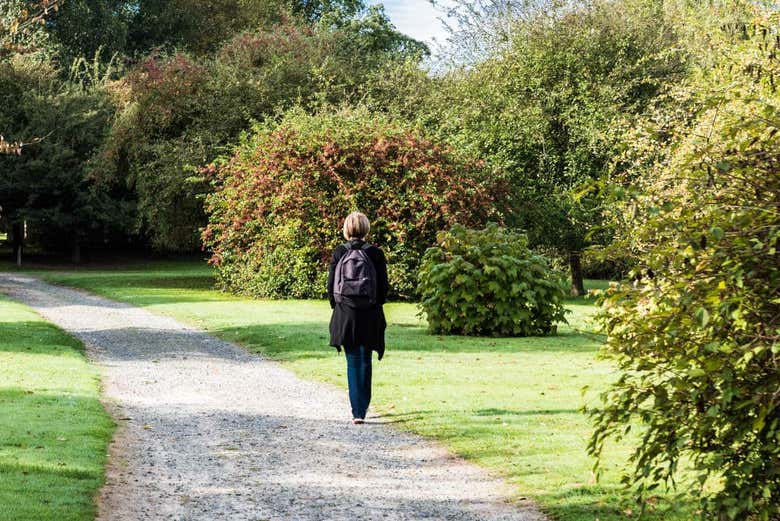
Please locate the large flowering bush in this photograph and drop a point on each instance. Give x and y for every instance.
(279, 201)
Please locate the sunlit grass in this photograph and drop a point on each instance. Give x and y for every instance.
(53, 429)
(509, 404)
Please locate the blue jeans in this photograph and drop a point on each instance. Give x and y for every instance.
(359, 379)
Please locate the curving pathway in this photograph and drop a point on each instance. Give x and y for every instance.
(210, 432)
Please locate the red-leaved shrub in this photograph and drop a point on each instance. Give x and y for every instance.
(279, 201)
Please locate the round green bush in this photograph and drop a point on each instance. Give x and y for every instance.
(487, 282)
(279, 202)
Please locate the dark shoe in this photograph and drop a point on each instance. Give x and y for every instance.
(358, 421)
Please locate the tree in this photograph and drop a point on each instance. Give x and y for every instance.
(179, 111)
(50, 186)
(134, 28)
(279, 200)
(85, 28)
(478, 29)
(542, 107)
(17, 23)
(197, 26)
(696, 334)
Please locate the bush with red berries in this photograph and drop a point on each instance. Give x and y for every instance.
(279, 202)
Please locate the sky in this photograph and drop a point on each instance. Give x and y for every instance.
(417, 18)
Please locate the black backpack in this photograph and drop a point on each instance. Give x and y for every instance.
(355, 277)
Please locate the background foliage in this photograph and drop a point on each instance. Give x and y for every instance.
(178, 112)
(50, 185)
(644, 128)
(544, 107)
(178, 82)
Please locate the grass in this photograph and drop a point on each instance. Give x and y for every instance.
(53, 430)
(509, 404)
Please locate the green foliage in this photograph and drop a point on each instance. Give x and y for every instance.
(697, 333)
(85, 28)
(283, 265)
(195, 26)
(20, 25)
(289, 186)
(20, 33)
(180, 112)
(542, 105)
(133, 28)
(487, 282)
(50, 185)
(368, 36)
(403, 89)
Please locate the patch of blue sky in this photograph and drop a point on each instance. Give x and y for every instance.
(416, 18)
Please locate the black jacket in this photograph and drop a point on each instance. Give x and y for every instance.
(352, 327)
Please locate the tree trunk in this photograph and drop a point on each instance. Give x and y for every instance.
(18, 240)
(577, 281)
(76, 257)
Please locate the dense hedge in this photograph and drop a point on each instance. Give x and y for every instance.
(279, 202)
(487, 282)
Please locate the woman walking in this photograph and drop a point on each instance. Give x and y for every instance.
(357, 289)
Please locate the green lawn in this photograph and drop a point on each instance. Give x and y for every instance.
(53, 429)
(511, 405)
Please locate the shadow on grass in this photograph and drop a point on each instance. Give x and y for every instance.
(531, 412)
(35, 336)
(483, 412)
(52, 452)
(47, 423)
(173, 289)
(56, 469)
(614, 502)
(292, 342)
(107, 263)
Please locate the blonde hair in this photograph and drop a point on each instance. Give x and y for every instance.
(356, 226)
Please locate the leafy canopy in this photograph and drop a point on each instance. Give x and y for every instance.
(279, 202)
(541, 107)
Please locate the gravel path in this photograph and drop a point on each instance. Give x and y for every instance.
(210, 432)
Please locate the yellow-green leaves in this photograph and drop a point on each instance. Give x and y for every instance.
(487, 282)
(696, 335)
(702, 316)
